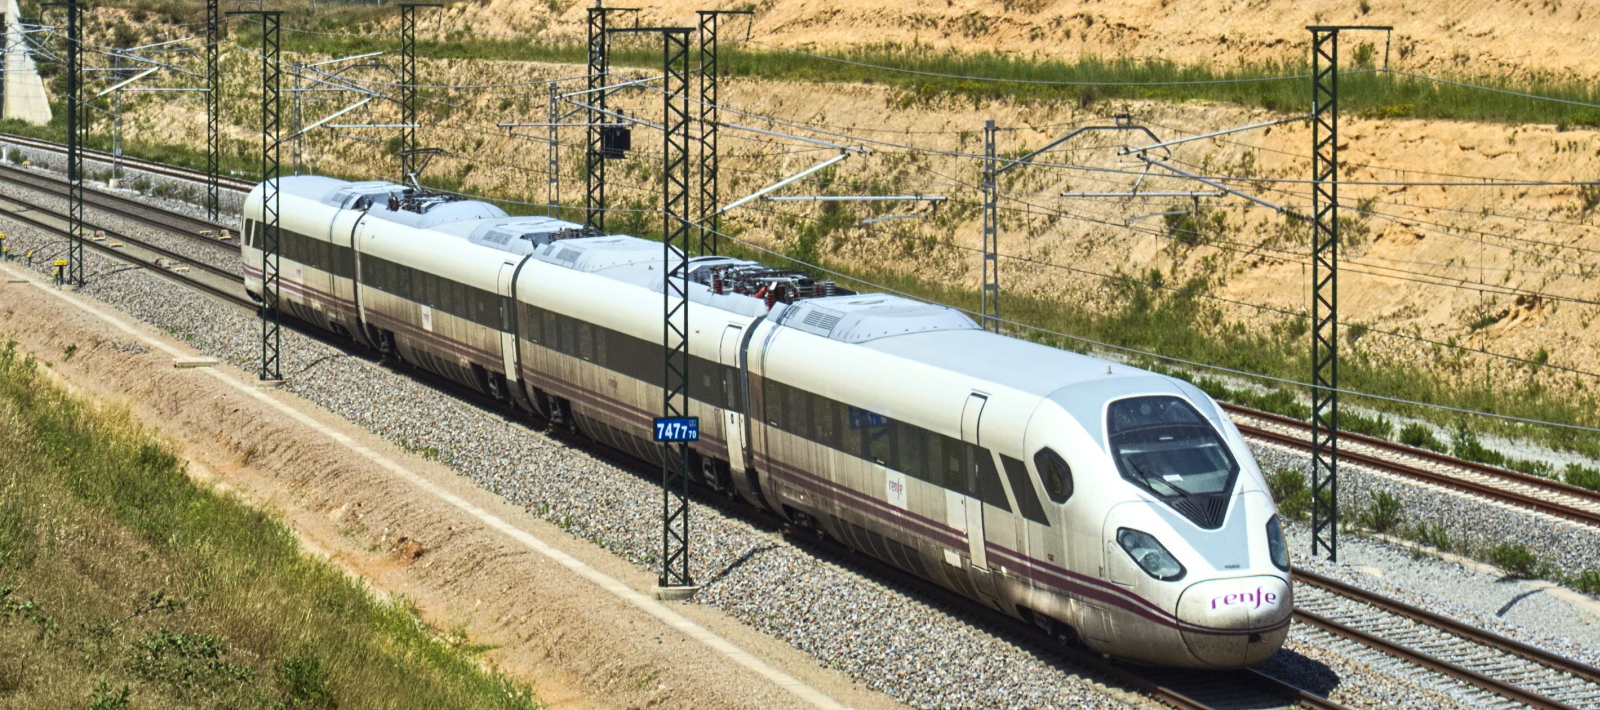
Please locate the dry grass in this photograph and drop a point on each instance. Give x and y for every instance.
(124, 584)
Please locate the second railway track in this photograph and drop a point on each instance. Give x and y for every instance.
(147, 214)
(1509, 673)
(1515, 488)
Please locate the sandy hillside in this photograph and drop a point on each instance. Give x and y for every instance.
(1510, 239)
(1518, 38)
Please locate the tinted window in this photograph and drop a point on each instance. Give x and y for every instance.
(1022, 488)
(1165, 446)
(1055, 474)
(988, 479)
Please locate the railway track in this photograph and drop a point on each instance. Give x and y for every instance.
(1515, 488)
(152, 216)
(1504, 672)
(149, 166)
(1186, 690)
(1501, 672)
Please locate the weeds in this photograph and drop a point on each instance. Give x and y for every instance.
(1378, 425)
(1432, 535)
(1421, 436)
(1575, 475)
(304, 681)
(1288, 488)
(1587, 581)
(1516, 560)
(107, 699)
(1383, 514)
(95, 506)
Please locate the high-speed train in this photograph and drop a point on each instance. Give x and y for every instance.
(1090, 498)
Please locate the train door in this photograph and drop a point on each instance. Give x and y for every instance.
(342, 267)
(977, 554)
(508, 333)
(733, 395)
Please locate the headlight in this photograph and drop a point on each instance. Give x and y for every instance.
(1280, 553)
(1151, 556)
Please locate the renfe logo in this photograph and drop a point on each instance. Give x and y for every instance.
(1255, 598)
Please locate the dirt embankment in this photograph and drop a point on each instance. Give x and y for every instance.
(1442, 261)
(1514, 38)
(578, 646)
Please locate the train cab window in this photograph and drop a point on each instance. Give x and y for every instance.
(987, 484)
(1162, 444)
(1054, 473)
(1022, 488)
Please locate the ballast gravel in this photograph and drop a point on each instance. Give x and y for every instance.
(886, 638)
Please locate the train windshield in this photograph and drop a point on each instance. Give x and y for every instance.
(1163, 445)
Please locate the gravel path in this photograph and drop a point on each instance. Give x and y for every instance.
(890, 640)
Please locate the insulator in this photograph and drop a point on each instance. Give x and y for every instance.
(772, 297)
(829, 288)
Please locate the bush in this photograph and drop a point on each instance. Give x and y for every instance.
(1432, 535)
(1383, 514)
(1378, 426)
(1288, 488)
(1516, 560)
(1464, 444)
(305, 683)
(1420, 436)
(1587, 582)
(1582, 476)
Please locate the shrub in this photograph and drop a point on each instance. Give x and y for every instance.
(1587, 581)
(1420, 436)
(1583, 476)
(1464, 444)
(1383, 514)
(1432, 535)
(1516, 560)
(1288, 488)
(305, 683)
(1378, 426)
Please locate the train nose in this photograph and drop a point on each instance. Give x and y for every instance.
(1233, 623)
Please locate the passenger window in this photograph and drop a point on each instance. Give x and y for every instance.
(1022, 488)
(798, 421)
(823, 418)
(772, 396)
(1055, 473)
(586, 341)
(880, 440)
(908, 451)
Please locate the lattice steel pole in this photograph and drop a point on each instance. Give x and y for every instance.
(271, 245)
(1325, 292)
(594, 161)
(989, 299)
(408, 87)
(710, 121)
(213, 108)
(75, 128)
(553, 180)
(675, 303)
(707, 212)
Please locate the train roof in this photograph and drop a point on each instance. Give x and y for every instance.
(475, 221)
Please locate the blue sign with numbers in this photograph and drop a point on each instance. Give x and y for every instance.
(676, 429)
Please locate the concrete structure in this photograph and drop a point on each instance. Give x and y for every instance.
(25, 95)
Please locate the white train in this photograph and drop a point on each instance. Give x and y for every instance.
(1093, 499)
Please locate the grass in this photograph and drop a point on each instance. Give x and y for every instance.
(124, 584)
(1003, 77)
